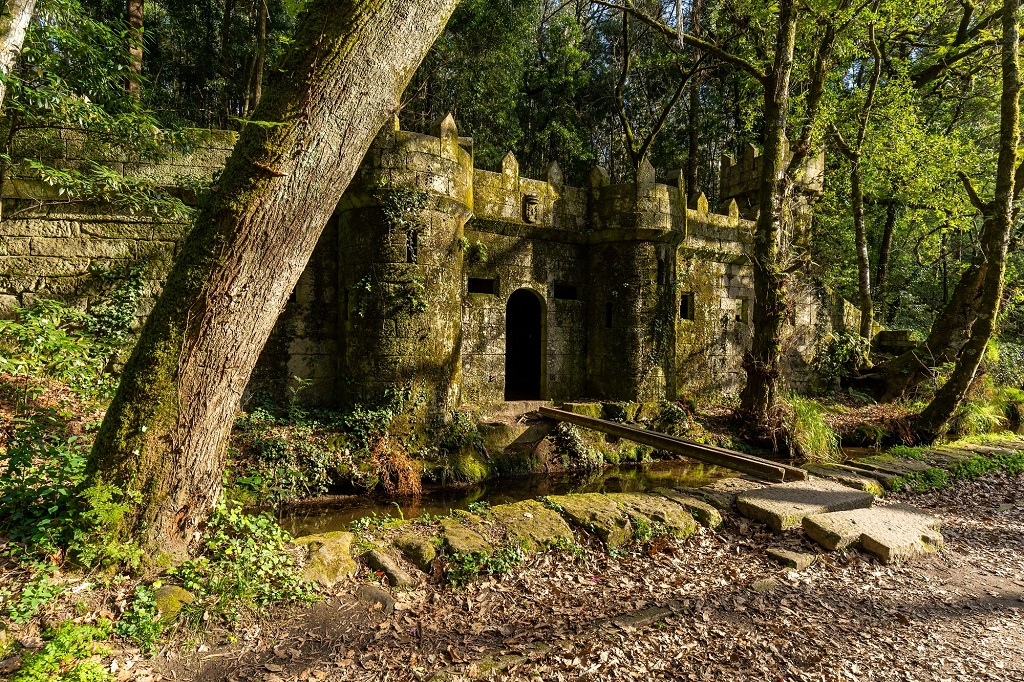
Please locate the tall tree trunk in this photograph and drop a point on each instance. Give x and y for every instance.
(261, 53)
(762, 362)
(162, 442)
(884, 253)
(135, 12)
(948, 398)
(14, 20)
(225, 47)
(867, 306)
(693, 109)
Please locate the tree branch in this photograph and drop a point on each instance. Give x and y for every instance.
(972, 194)
(674, 36)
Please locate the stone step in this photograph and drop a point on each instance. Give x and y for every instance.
(853, 478)
(892, 533)
(785, 505)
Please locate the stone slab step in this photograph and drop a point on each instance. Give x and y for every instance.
(785, 505)
(890, 465)
(892, 533)
(848, 477)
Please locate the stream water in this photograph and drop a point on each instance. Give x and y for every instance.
(336, 512)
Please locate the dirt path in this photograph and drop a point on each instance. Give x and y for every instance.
(711, 608)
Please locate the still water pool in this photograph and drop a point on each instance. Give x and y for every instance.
(336, 512)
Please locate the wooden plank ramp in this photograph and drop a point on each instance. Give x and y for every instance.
(730, 459)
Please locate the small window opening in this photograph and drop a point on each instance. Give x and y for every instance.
(686, 306)
(565, 292)
(743, 311)
(412, 246)
(608, 314)
(479, 285)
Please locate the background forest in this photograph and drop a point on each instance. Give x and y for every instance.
(562, 80)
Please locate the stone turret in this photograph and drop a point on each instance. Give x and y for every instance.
(400, 252)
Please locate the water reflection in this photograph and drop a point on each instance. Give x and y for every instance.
(335, 513)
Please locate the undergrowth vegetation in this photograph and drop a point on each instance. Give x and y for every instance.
(810, 435)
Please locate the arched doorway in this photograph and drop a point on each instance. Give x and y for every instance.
(524, 338)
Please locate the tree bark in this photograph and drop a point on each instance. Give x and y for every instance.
(884, 253)
(162, 442)
(867, 306)
(135, 11)
(994, 248)
(14, 20)
(762, 362)
(225, 70)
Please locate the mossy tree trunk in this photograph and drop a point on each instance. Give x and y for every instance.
(14, 19)
(163, 439)
(763, 362)
(994, 247)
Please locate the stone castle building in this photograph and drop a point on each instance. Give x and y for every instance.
(466, 285)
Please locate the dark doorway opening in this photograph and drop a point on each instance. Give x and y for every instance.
(523, 346)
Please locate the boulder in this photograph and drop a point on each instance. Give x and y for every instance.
(596, 513)
(791, 558)
(330, 557)
(170, 599)
(532, 525)
(374, 596)
(705, 514)
(461, 539)
(657, 509)
(379, 560)
(420, 551)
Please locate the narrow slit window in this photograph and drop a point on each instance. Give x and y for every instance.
(686, 306)
(345, 303)
(412, 246)
(608, 314)
(565, 292)
(662, 272)
(480, 285)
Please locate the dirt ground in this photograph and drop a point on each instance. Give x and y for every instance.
(710, 608)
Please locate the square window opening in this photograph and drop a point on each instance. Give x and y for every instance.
(686, 306)
(480, 285)
(566, 292)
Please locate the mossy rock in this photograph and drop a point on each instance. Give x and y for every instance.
(498, 435)
(418, 550)
(170, 600)
(330, 557)
(596, 513)
(532, 525)
(705, 514)
(459, 538)
(657, 509)
(594, 410)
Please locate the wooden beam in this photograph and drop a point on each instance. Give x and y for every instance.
(729, 459)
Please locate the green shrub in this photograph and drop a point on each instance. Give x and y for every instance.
(1007, 366)
(246, 565)
(64, 656)
(574, 450)
(974, 418)
(811, 438)
(140, 623)
(461, 568)
(841, 355)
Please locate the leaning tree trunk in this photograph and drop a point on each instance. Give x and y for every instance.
(948, 398)
(163, 439)
(867, 306)
(14, 20)
(884, 252)
(763, 362)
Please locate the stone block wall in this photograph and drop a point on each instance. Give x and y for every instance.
(645, 292)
